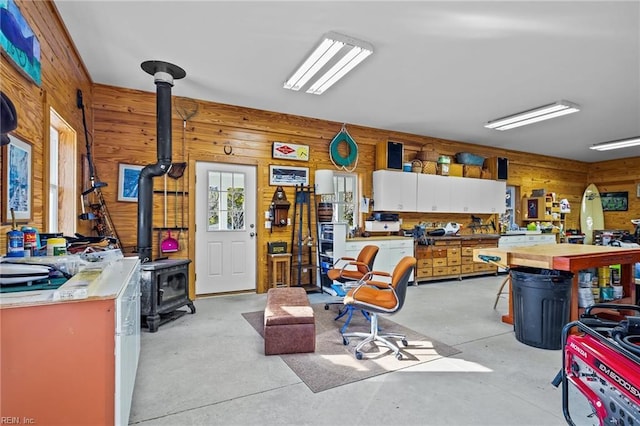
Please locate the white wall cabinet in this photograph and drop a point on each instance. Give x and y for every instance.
(435, 193)
(394, 191)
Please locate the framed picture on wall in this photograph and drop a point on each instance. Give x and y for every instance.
(288, 175)
(615, 201)
(532, 208)
(128, 182)
(17, 181)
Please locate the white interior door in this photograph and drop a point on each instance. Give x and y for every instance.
(225, 257)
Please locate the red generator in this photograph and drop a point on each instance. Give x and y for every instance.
(602, 361)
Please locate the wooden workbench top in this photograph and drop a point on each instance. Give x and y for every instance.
(560, 256)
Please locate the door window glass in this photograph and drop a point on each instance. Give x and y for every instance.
(225, 201)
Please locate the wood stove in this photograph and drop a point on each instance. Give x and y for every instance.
(164, 285)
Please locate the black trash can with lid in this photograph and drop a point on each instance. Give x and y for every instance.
(541, 305)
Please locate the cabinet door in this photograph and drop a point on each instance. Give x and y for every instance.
(496, 196)
(433, 193)
(478, 195)
(127, 344)
(394, 191)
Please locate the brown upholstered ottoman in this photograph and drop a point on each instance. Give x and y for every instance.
(289, 325)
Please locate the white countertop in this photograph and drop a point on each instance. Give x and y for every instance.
(100, 281)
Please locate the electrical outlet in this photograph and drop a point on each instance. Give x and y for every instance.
(266, 214)
(267, 224)
(289, 221)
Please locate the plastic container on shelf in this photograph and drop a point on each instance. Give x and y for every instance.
(443, 165)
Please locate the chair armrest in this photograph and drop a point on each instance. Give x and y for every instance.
(380, 274)
(344, 259)
(382, 285)
(356, 264)
(373, 279)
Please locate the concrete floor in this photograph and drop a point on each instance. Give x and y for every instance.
(209, 369)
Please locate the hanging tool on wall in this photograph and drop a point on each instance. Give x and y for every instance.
(97, 211)
(186, 109)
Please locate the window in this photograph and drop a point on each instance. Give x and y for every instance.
(225, 204)
(345, 200)
(61, 177)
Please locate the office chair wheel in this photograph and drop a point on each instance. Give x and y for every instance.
(399, 356)
(345, 341)
(404, 342)
(358, 355)
(326, 307)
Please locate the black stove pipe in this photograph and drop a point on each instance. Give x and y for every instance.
(164, 73)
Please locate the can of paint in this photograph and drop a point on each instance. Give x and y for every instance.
(15, 244)
(56, 247)
(30, 239)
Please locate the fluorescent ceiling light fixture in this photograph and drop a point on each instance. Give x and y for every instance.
(617, 144)
(334, 57)
(531, 116)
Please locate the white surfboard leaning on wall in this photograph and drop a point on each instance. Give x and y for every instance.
(591, 214)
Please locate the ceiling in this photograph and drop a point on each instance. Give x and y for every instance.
(440, 68)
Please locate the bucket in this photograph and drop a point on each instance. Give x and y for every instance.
(416, 166)
(325, 212)
(406, 167)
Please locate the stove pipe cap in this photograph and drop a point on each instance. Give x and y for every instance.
(163, 71)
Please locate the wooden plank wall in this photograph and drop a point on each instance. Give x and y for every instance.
(123, 125)
(618, 176)
(62, 74)
(125, 133)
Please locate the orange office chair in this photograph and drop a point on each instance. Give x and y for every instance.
(378, 297)
(351, 270)
(354, 269)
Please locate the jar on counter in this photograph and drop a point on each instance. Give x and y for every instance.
(56, 247)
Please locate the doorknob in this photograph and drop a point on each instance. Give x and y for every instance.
(252, 234)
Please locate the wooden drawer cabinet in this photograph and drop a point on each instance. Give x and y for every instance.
(454, 252)
(474, 268)
(439, 252)
(440, 271)
(468, 251)
(424, 263)
(466, 269)
(424, 272)
(439, 262)
(454, 261)
(452, 258)
(467, 260)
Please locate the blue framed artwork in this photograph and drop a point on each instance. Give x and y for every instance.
(18, 41)
(128, 182)
(17, 188)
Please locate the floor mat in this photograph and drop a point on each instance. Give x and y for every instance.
(334, 364)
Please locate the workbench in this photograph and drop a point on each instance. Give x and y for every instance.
(572, 258)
